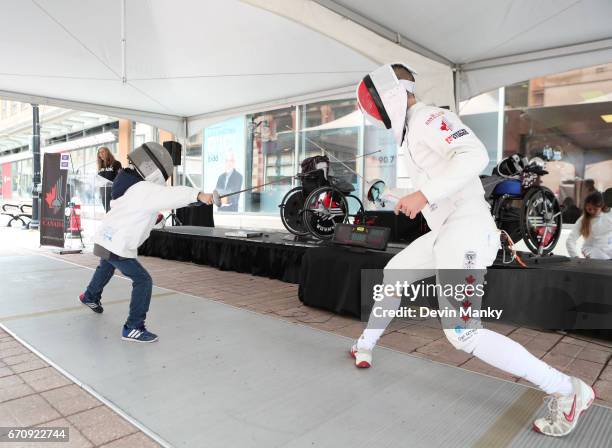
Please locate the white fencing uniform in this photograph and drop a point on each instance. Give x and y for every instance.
(599, 243)
(444, 160)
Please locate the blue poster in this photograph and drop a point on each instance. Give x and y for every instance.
(224, 161)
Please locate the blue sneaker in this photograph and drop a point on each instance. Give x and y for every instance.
(95, 305)
(138, 334)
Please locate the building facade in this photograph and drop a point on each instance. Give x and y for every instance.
(567, 116)
(68, 131)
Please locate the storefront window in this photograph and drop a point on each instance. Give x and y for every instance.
(21, 180)
(143, 133)
(84, 186)
(270, 147)
(564, 116)
(481, 115)
(192, 171)
(332, 128)
(382, 162)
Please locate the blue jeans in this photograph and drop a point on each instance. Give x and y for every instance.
(142, 286)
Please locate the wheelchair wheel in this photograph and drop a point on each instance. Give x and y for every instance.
(291, 211)
(323, 209)
(507, 217)
(540, 220)
(359, 216)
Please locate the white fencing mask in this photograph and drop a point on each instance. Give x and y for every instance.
(152, 161)
(383, 99)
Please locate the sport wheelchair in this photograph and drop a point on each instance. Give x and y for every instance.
(319, 202)
(522, 207)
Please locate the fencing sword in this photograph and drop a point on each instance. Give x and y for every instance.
(218, 196)
(328, 153)
(376, 193)
(364, 155)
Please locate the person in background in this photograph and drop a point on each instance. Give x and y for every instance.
(569, 212)
(595, 226)
(138, 193)
(108, 168)
(588, 187)
(228, 182)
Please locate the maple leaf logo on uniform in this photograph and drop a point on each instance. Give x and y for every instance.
(444, 126)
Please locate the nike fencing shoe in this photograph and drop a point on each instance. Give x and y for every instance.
(363, 357)
(564, 411)
(95, 305)
(138, 335)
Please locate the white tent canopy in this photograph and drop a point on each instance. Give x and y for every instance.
(187, 63)
(492, 43)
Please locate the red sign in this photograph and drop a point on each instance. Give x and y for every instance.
(7, 189)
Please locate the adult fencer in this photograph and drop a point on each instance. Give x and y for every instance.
(138, 193)
(444, 159)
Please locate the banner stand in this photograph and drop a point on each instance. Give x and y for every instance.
(69, 251)
(57, 205)
(53, 204)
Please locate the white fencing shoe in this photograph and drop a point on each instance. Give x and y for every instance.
(564, 411)
(363, 357)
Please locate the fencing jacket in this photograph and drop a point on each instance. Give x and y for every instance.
(132, 216)
(444, 159)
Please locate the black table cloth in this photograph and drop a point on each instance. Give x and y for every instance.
(331, 277)
(265, 256)
(554, 293)
(196, 215)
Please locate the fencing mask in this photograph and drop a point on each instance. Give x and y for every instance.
(382, 98)
(152, 161)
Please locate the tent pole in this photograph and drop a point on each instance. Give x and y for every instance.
(184, 153)
(34, 222)
(457, 88)
(123, 44)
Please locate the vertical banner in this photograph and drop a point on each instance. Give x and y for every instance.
(53, 195)
(224, 161)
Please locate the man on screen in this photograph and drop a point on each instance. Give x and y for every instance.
(228, 182)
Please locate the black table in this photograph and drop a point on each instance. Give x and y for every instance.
(554, 293)
(330, 277)
(270, 255)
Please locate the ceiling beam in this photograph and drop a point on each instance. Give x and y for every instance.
(549, 53)
(173, 123)
(389, 34)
